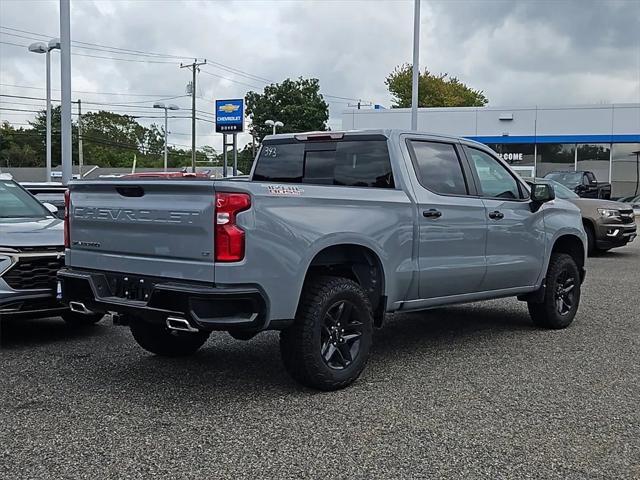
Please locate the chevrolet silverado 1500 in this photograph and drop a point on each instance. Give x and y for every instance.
(330, 231)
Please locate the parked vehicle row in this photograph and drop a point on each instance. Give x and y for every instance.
(331, 231)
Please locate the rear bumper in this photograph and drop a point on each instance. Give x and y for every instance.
(204, 306)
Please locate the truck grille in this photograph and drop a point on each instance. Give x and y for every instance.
(627, 216)
(34, 272)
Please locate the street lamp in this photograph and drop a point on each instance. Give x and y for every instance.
(166, 108)
(274, 125)
(41, 47)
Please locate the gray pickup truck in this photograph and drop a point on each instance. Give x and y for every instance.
(331, 231)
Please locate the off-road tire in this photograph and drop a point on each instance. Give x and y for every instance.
(157, 338)
(546, 314)
(301, 344)
(78, 319)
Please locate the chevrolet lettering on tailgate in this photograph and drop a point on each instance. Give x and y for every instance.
(135, 216)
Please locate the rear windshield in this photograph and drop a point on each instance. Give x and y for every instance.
(352, 163)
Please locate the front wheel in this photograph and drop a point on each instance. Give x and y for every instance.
(562, 294)
(328, 345)
(158, 339)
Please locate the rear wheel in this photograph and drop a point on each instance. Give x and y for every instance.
(328, 345)
(158, 339)
(562, 294)
(79, 319)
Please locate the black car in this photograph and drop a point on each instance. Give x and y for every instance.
(31, 253)
(583, 183)
(52, 193)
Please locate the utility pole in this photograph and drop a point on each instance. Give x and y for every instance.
(80, 158)
(416, 67)
(194, 67)
(65, 85)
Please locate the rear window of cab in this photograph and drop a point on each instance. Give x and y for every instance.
(351, 163)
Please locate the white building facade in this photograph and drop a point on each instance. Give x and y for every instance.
(604, 139)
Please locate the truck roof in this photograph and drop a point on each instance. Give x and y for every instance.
(387, 132)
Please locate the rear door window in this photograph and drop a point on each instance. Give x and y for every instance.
(352, 163)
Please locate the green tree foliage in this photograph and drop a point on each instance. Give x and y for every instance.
(296, 103)
(439, 90)
(109, 140)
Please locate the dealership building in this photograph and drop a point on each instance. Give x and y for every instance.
(604, 139)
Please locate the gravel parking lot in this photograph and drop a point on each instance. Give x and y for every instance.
(465, 392)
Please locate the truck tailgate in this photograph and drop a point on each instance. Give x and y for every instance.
(160, 228)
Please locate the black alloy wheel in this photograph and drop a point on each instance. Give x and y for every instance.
(565, 291)
(341, 335)
(561, 299)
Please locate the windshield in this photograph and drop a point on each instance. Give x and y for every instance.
(562, 191)
(570, 179)
(17, 203)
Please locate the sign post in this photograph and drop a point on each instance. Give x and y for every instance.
(230, 120)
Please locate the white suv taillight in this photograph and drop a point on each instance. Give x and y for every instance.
(229, 237)
(67, 208)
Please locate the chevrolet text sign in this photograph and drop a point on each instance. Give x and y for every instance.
(230, 116)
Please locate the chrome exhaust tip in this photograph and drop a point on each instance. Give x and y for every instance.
(78, 307)
(180, 324)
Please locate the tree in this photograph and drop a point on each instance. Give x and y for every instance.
(296, 103)
(39, 131)
(439, 90)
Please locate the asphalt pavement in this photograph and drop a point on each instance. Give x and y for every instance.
(471, 391)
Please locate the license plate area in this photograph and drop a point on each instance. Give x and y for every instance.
(130, 287)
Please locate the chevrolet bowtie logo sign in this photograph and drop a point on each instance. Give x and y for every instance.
(230, 115)
(228, 108)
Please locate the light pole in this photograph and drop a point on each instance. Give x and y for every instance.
(416, 69)
(41, 47)
(274, 125)
(166, 108)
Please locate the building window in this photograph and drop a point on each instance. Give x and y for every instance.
(520, 156)
(594, 157)
(555, 157)
(625, 165)
(515, 154)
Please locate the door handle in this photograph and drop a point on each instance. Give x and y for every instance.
(432, 213)
(496, 215)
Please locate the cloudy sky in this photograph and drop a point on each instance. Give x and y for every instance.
(517, 52)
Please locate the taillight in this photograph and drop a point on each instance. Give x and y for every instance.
(229, 237)
(67, 207)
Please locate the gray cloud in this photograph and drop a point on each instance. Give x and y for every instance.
(518, 52)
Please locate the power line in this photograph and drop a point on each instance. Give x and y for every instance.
(95, 93)
(141, 53)
(126, 51)
(134, 60)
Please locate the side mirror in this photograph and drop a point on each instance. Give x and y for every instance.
(542, 193)
(52, 208)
